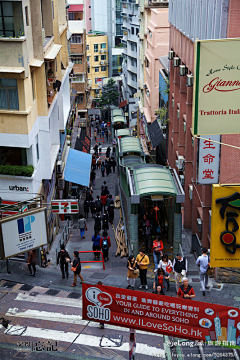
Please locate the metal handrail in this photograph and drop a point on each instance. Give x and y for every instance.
(94, 260)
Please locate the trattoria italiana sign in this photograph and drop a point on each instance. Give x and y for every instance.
(65, 206)
(216, 108)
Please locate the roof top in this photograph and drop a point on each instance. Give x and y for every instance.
(130, 144)
(131, 160)
(118, 118)
(122, 132)
(151, 179)
(117, 112)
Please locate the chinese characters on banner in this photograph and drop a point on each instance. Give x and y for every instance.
(161, 314)
(208, 164)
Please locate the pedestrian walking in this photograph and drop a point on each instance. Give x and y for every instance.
(105, 220)
(166, 265)
(98, 205)
(103, 200)
(99, 163)
(100, 149)
(76, 268)
(132, 273)
(92, 177)
(86, 206)
(95, 134)
(92, 207)
(93, 162)
(97, 224)
(103, 169)
(185, 291)
(106, 191)
(103, 187)
(108, 168)
(63, 259)
(203, 263)
(113, 163)
(148, 236)
(160, 283)
(82, 225)
(105, 244)
(179, 268)
(143, 261)
(157, 251)
(32, 262)
(111, 211)
(108, 152)
(96, 245)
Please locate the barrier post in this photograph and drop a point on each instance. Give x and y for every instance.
(132, 343)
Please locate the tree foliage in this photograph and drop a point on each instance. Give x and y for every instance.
(109, 95)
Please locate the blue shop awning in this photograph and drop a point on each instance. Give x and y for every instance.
(77, 169)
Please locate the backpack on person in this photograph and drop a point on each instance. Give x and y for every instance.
(105, 244)
(102, 168)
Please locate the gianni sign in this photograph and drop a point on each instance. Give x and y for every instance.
(216, 85)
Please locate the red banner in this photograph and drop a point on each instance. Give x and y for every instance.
(161, 314)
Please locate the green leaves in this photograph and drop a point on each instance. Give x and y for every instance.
(17, 170)
(109, 95)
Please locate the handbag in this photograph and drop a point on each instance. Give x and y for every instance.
(209, 271)
(74, 268)
(169, 269)
(86, 228)
(136, 271)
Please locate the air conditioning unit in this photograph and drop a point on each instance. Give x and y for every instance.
(190, 191)
(106, 62)
(61, 183)
(182, 179)
(59, 167)
(105, 50)
(184, 126)
(173, 103)
(199, 225)
(144, 85)
(180, 162)
(101, 51)
(140, 19)
(101, 62)
(178, 113)
(148, 93)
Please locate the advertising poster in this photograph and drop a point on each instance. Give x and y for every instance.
(216, 90)
(225, 221)
(22, 233)
(161, 314)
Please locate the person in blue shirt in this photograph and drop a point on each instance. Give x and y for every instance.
(203, 263)
(96, 245)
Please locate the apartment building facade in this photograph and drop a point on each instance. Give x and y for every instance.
(208, 20)
(97, 61)
(106, 17)
(34, 99)
(78, 56)
(131, 69)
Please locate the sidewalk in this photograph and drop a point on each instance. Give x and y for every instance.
(116, 271)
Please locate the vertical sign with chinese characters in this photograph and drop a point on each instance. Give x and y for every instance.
(208, 164)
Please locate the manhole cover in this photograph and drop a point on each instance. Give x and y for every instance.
(74, 295)
(26, 287)
(98, 276)
(51, 292)
(195, 280)
(33, 293)
(9, 284)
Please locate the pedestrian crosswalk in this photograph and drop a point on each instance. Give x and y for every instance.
(44, 317)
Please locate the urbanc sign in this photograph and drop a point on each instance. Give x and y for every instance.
(216, 87)
(225, 244)
(18, 188)
(161, 314)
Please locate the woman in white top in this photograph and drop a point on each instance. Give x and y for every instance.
(166, 265)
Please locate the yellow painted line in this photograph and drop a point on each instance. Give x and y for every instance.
(87, 267)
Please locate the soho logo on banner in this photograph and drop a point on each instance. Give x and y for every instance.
(100, 300)
(208, 164)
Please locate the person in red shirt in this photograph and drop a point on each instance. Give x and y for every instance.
(105, 244)
(185, 291)
(103, 200)
(157, 251)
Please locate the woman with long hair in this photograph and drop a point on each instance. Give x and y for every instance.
(77, 265)
(132, 273)
(160, 283)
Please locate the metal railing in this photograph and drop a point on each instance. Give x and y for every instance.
(64, 238)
